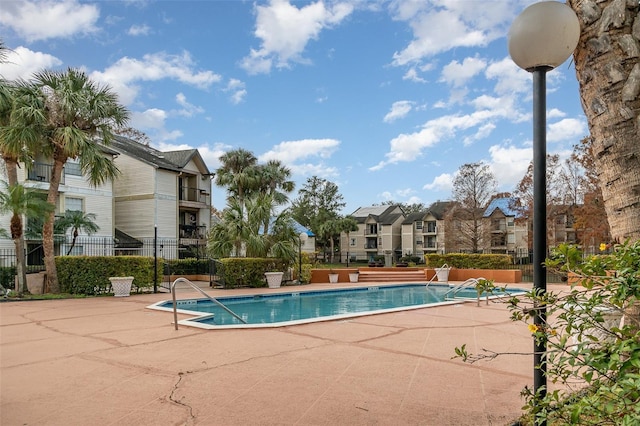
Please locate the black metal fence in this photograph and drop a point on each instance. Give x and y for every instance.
(162, 248)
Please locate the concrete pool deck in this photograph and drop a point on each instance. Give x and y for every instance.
(111, 361)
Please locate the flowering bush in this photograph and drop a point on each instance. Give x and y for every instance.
(593, 342)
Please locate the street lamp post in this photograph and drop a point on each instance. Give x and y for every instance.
(302, 239)
(542, 37)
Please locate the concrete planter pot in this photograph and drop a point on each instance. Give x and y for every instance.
(333, 278)
(442, 274)
(121, 286)
(353, 277)
(274, 279)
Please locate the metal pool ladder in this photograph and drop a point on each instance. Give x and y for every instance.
(470, 283)
(195, 287)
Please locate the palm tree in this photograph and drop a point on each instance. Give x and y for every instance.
(21, 201)
(273, 179)
(237, 173)
(610, 95)
(17, 143)
(347, 225)
(77, 221)
(71, 113)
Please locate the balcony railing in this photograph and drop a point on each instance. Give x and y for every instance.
(41, 172)
(193, 232)
(193, 194)
(371, 246)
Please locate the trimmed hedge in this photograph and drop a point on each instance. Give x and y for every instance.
(90, 274)
(190, 266)
(469, 260)
(7, 277)
(249, 272)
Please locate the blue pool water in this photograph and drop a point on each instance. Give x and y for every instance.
(279, 309)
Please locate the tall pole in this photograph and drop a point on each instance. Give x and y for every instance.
(540, 228)
(155, 258)
(299, 260)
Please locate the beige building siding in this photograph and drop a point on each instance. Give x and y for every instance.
(137, 178)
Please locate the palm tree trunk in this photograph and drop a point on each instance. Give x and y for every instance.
(47, 229)
(608, 71)
(11, 166)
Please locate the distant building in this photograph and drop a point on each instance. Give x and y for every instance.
(379, 234)
(507, 229)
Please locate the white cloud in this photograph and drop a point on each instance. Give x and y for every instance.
(237, 90)
(291, 151)
(138, 30)
(188, 109)
(22, 63)
(398, 110)
(443, 182)
(555, 113)
(457, 74)
(449, 24)
(42, 20)
(510, 79)
(567, 129)
(285, 30)
(122, 75)
(509, 164)
(409, 147)
(152, 118)
(412, 75)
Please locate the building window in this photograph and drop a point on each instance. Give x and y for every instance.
(72, 167)
(419, 224)
(419, 242)
(73, 203)
(352, 242)
(431, 242)
(431, 226)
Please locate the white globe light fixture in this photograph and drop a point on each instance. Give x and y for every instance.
(545, 34)
(541, 38)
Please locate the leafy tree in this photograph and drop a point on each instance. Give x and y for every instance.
(472, 189)
(591, 229)
(20, 201)
(407, 208)
(77, 221)
(255, 191)
(555, 193)
(70, 114)
(347, 225)
(237, 173)
(14, 147)
(317, 206)
(238, 230)
(273, 179)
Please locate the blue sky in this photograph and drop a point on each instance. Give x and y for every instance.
(387, 99)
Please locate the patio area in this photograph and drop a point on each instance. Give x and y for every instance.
(111, 361)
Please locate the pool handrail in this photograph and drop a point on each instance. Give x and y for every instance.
(195, 287)
(468, 283)
(436, 275)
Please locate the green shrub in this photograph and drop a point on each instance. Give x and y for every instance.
(410, 259)
(249, 271)
(469, 260)
(90, 274)
(190, 266)
(586, 342)
(7, 276)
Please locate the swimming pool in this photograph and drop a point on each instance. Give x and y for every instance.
(300, 307)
